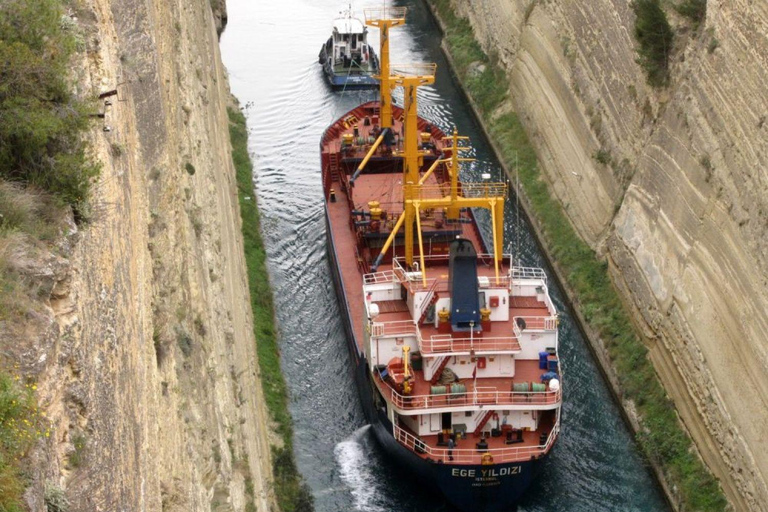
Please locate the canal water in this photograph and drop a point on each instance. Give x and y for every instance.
(270, 49)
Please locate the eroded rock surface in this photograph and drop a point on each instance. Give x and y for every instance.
(680, 208)
(143, 349)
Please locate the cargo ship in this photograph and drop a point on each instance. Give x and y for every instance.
(455, 347)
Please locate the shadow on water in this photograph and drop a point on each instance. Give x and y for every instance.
(270, 50)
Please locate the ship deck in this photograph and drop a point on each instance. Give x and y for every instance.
(351, 265)
(499, 338)
(509, 446)
(479, 393)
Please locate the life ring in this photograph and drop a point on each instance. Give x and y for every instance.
(495, 416)
(487, 459)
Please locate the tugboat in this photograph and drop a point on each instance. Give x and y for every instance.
(348, 60)
(455, 347)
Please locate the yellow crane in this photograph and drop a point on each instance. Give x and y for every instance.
(417, 195)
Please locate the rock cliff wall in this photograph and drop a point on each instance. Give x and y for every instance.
(144, 355)
(671, 186)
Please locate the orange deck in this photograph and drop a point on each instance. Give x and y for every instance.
(378, 185)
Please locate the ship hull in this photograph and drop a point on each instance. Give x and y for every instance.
(478, 488)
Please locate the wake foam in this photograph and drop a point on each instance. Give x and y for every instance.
(357, 466)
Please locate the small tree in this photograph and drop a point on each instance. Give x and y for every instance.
(655, 36)
(42, 121)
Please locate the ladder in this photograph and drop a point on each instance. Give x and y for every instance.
(430, 300)
(439, 370)
(482, 422)
(333, 165)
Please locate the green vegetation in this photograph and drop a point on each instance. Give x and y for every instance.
(44, 169)
(55, 499)
(662, 439)
(20, 427)
(713, 44)
(694, 10)
(654, 34)
(602, 156)
(77, 456)
(292, 493)
(40, 136)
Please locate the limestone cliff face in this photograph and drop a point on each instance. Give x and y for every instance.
(680, 204)
(144, 356)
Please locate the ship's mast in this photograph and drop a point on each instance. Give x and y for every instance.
(416, 195)
(385, 18)
(410, 78)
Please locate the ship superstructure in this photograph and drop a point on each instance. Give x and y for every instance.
(348, 61)
(456, 348)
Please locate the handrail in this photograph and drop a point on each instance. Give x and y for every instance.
(534, 323)
(384, 276)
(447, 343)
(537, 323)
(395, 328)
(528, 273)
(472, 455)
(428, 298)
(476, 397)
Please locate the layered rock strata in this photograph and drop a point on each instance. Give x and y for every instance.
(143, 352)
(671, 186)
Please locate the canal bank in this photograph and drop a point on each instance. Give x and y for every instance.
(291, 492)
(601, 316)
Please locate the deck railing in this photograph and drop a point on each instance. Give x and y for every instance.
(438, 343)
(445, 343)
(528, 273)
(534, 323)
(481, 396)
(397, 328)
(386, 276)
(473, 455)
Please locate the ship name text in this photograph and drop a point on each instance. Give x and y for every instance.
(485, 473)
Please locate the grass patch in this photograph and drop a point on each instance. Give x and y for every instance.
(662, 437)
(654, 35)
(292, 493)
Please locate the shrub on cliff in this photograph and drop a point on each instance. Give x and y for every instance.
(42, 120)
(694, 10)
(654, 34)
